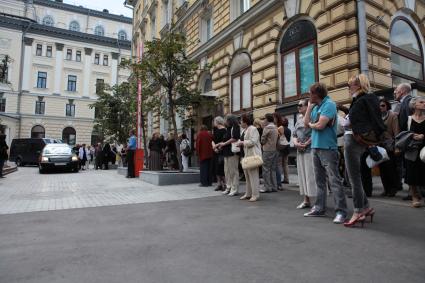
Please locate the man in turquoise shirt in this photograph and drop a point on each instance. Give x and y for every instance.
(321, 117)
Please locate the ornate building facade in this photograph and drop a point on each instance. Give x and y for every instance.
(57, 55)
(268, 52)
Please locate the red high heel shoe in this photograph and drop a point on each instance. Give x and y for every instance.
(369, 212)
(360, 218)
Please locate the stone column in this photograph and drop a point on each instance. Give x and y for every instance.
(58, 69)
(27, 72)
(114, 71)
(87, 71)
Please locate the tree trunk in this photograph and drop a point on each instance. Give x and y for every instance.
(173, 120)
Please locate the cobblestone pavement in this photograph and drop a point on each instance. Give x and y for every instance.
(28, 191)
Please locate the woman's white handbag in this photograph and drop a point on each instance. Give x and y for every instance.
(251, 162)
(372, 163)
(422, 154)
(283, 141)
(235, 147)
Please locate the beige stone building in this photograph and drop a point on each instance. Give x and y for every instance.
(268, 52)
(58, 54)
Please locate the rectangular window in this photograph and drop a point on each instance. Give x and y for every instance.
(70, 110)
(406, 66)
(69, 54)
(236, 94)
(39, 107)
(49, 51)
(246, 90)
(290, 75)
(78, 56)
(99, 85)
(41, 79)
(105, 60)
(3, 70)
(307, 71)
(96, 59)
(244, 5)
(39, 50)
(2, 104)
(72, 83)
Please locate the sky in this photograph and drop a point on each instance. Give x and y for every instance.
(114, 6)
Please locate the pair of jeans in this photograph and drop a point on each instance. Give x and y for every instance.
(130, 168)
(205, 176)
(325, 166)
(269, 170)
(1, 167)
(353, 152)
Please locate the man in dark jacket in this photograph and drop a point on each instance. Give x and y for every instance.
(3, 153)
(403, 96)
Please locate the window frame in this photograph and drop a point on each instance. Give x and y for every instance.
(68, 54)
(105, 59)
(74, 22)
(70, 110)
(39, 50)
(78, 56)
(40, 105)
(50, 18)
(401, 52)
(2, 104)
(122, 35)
(49, 51)
(240, 75)
(41, 80)
(296, 50)
(72, 83)
(99, 28)
(99, 85)
(97, 59)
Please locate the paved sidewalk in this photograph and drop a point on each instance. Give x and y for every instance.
(28, 191)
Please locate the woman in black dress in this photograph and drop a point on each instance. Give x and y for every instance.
(155, 150)
(415, 176)
(218, 137)
(171, 152)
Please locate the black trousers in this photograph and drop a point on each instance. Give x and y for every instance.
(205, 175)
(389, 175)
(366, 173)
(130, 162)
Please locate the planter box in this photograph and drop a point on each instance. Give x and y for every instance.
(167, 178)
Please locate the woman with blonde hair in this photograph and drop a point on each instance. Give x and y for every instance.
(364, 128)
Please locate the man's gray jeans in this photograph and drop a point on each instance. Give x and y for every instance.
(269, 170)
(325, 164)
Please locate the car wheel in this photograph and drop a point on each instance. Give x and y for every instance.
(18, 162)
(41, 170)
(75, 170)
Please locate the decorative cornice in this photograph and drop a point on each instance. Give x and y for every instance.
(28, 40)
(88, 51)
(244, 20)
(82, 10)
(35, 28)
(59, 46)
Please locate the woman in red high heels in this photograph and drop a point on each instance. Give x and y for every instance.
(364, 126)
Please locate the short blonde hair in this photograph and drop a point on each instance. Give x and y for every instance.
(257, 123)
(362, 81)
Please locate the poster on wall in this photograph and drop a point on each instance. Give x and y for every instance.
(290, 75)
(307, 71)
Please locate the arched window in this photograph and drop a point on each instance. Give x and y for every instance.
(205, 82)
(69, 135)
(241, 83)
(48, 21)
(74, 26)
(122, 35)
(38, 132)
(99, 30)
(298, 51)
(406, 53)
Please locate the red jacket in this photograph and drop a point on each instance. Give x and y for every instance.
(203, 145)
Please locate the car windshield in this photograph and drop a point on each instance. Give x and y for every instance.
(57, 150)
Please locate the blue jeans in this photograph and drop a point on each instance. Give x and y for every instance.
(325, 165)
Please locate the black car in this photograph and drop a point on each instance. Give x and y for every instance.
(58, 156)
(27, 151)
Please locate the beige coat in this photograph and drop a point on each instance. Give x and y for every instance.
(269, 137)
(252, 142)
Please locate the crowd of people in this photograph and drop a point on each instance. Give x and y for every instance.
(99, 156)
(333, 143)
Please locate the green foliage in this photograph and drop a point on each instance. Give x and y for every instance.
(115, 111)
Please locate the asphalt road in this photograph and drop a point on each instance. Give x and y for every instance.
(213, 239)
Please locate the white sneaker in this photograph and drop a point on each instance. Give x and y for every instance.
(233, 194)
(225, 192)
